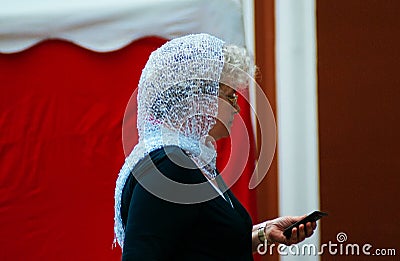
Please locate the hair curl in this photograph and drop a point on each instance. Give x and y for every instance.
(239, 67)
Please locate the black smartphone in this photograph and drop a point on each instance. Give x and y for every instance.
(316, 215)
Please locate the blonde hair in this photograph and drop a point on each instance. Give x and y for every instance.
(239, 66)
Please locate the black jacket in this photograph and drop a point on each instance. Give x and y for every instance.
(156, 229)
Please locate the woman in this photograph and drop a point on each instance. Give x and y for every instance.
(170, 202)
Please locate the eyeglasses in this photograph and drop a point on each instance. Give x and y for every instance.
(232, 100)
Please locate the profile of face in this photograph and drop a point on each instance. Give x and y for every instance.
(227, 108)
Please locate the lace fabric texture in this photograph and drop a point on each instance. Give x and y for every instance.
(177, 105)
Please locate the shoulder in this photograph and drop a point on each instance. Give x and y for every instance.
(171, 162)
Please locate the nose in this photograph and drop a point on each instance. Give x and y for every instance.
(236, 108)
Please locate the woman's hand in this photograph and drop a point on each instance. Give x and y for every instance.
(274, 230)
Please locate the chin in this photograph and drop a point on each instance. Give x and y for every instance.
(220, 133)
(226, 134)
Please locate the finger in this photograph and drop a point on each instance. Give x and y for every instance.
(301, 233)
(294, 219)
(306, 229)
(301, 217)
(293, 237)
(314, 225)
(309, 229)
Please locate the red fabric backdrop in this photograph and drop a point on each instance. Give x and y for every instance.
(61, 111)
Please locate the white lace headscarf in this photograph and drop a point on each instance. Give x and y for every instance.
(177, 105)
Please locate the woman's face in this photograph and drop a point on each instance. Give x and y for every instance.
(227, 108)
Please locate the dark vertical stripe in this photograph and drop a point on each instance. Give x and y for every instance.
(267, 191)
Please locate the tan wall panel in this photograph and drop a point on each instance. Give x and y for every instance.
(359, 97)
(267, 191)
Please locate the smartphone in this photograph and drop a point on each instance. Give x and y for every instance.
(316, 215)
